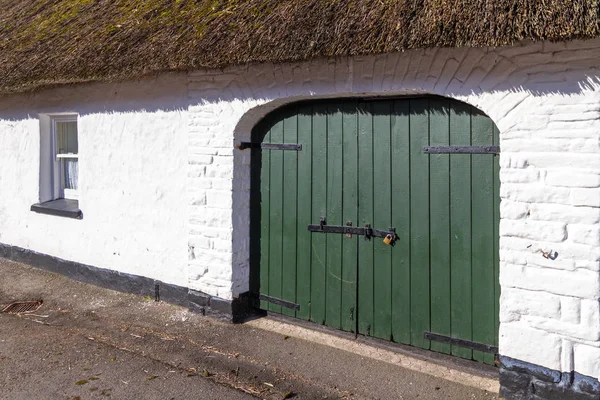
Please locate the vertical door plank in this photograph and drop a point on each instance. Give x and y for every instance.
(276, 228)
(319, 209)
(440, 223)
(460, 227)
(334, 216)
(290, 218)
(382, 210)
(365, 216)
(400, 148)
(349, 213)
(496, 196)
(303, 274)
(419, 235)
(265, 219)
(482, 248)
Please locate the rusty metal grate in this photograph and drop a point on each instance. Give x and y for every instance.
(23, 307)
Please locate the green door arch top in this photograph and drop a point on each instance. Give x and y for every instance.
(424, 168)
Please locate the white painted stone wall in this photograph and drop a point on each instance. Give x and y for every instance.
(165, 195)
(545, 99)
(133, 161)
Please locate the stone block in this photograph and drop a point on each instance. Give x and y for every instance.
(516, 302)
(587, 360)
(526, 175)
(200, 159)
(578, 283)
(531, 193)
(570, 178)
(513, 210)
(549, 391)
(564, 159)
(585, 197)
(531, 229)
(535, 346)
(514, 385)
(564, 213)
(585, 234)
(570, 310)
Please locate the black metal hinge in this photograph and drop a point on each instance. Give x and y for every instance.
(270, 146)
(462, 149)
(486, 348)
(279, 302)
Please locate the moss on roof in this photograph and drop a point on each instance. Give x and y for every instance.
(58, 41)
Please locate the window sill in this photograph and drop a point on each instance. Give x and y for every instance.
(60, 208)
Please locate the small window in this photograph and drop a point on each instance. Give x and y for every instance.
(67, 157)
(59, 166)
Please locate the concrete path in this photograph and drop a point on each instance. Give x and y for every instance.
(90, 343)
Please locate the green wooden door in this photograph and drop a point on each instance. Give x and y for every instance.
(363, 162)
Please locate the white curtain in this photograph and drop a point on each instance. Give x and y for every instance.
(71, 172)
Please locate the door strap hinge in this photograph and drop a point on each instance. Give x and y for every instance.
(486, 348)
(270, 146)
(461, 149)
(279, 302)
(367, 231)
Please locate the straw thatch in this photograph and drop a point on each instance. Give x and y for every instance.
(46, 42)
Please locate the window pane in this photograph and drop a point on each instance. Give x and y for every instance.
(71, 173)
(66, 137)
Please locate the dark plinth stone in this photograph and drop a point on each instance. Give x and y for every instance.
(521, 380)
(236, 310)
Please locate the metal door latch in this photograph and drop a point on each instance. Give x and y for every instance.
(390, 236)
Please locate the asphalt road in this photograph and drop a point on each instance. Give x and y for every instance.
(87, 342)
(38, 362)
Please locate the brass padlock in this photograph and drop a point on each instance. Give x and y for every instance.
(388, 239)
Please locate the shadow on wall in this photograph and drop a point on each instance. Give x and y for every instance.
(162, 93)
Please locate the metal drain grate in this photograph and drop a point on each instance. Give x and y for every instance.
(23, 307)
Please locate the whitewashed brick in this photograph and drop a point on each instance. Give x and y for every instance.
(585, 234)
(198, 199)
(519, 175)
(515, 303)
(566, 356)
(585, 197)
(196, 171)
(222, 184)
(200, 159)
(564, 159)
(570, 310)
(533, 193)
(531, 345)
(514, 210)
(219, 171)
(587, 360)
(568, 214)
(538, 260)
(578, 283)
(513, 160)
(529, 229)
(219, 199)
(200, 242)
(587, 329)
(591, 265)
(570, 178)
(565, 250)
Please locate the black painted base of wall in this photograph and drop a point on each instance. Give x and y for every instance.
(235, 311)
(520, 380)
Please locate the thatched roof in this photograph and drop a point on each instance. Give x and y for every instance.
(58, 41)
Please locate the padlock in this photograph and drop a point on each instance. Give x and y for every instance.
(388, 239)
